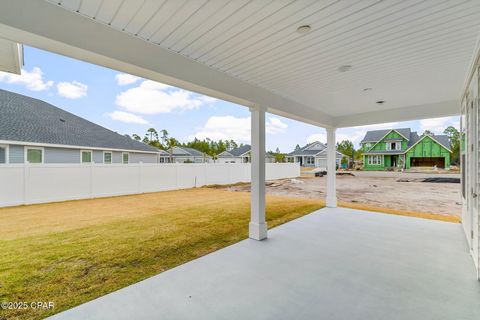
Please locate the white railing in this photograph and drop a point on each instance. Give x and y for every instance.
(27, 184)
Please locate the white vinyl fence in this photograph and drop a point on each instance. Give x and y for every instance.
(26, 184)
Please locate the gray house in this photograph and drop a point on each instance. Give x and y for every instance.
(240, 155)
(312, 155)
(33, 131)
(189, 155)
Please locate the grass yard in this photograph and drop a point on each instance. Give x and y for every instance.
(72, 252)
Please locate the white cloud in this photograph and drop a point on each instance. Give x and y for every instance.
(125, 79)
(236, 128)
(437, 125)
(126, 117)
(33, 80)
(275, 125)
(72, 90)
(151, 97)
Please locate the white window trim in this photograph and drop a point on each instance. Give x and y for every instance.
(7, 153)
(128, 161)
(91, 156)
(379, 161)
(25, 151)
(111, 157)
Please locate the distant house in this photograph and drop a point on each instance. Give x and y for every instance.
(241, 154)
(402, 148)
(188, 155)
(312, 155)
(33, 131)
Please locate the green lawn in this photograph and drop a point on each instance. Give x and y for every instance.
(72, 252)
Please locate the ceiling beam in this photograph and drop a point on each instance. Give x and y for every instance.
(50, 27)
(407, 113)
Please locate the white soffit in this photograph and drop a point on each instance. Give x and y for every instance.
(11, 56)
(411, 53)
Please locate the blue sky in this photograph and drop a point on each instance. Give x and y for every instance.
(128, 104)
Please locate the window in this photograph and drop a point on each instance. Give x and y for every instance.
(3, 154)
(34, 155)
(394, 145)
(125, 157)
(85, 156)
(107, 157)
(375, 160)
(309, 160)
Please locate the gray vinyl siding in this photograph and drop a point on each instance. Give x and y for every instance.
(16, 154)
(97, 156)
(61, 155)
(116, 157)
(143, 157)
(66, 155)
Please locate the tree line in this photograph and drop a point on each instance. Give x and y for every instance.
(162, 140)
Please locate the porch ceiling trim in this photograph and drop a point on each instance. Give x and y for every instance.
(82, 38)
(407, 113)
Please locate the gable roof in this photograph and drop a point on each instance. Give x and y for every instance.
(237, 152)
(413, 139)
(306, 151)
(25, 119)
(185, 151)
(441, 139)
(377, 135)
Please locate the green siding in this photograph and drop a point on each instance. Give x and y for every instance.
(428, 148)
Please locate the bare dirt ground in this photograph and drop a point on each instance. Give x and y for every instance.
(393, 190)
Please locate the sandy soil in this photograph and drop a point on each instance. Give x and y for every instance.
(387, 190)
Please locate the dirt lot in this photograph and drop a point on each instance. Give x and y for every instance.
(394, 190)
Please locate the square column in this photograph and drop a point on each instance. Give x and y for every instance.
(257, 227)
(331, 168)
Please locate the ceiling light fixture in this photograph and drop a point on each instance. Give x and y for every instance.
(304, 29)
(345, 68)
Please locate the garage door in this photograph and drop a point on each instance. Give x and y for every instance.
(322, 163)
(439, 162)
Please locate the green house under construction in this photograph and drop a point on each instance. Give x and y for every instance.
(402, 148)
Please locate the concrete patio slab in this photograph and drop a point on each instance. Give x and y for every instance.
(332, 264)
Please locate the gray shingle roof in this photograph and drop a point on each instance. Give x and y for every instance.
(240, 150)
(184, 151)
(27, 119)
(304, 151)
(375, 135)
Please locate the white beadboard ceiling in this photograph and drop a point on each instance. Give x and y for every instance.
(406, 52)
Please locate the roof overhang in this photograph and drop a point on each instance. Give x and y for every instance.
(416, 53)
(11, 56)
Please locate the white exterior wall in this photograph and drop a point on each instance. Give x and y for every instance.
(470, 163)
(26, 184)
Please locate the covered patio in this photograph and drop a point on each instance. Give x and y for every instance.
(333, 64)
(332, 264)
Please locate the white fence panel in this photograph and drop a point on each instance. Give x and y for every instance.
(57, 182)
(12, 187)
(25, 184)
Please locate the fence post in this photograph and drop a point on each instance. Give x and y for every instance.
(26, 178)
(92, 194)
(140, 172)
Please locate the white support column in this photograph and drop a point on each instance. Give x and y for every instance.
(257, 227)
(331, 168)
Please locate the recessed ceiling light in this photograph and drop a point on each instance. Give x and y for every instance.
(304, 29)
(380, 102)
(345, 68)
